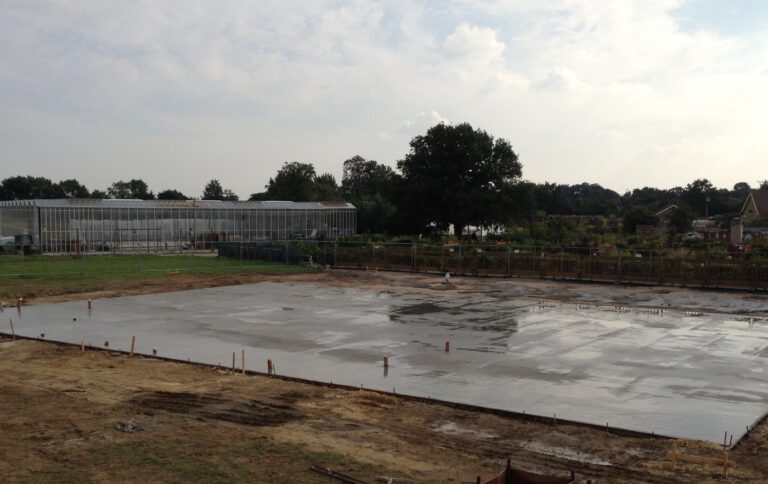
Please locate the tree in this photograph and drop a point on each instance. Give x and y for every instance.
(695, 196)
(28, 187)
(742, 187)
(461, 176)
(171, 195)
(213, 190)
(98, 194)
(370, 187)
(73, 189)
(135, 188)
(294, 181)
(635, 216)
(230, 196)
(680, 219)
(366, 178)
(326, 188)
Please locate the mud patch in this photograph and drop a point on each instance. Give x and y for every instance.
(214, 407)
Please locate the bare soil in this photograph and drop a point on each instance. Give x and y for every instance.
(60, 408)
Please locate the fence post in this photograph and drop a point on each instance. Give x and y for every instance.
(413, 258)
(706, 270)
(335, 253)
(619, 272)
(509, 259)
(442, 259)
(753, 276)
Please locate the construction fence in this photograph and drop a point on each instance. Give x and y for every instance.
(698, 269)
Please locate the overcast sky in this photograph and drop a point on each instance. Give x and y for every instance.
(621, 93)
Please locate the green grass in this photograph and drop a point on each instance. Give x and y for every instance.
(28, 276)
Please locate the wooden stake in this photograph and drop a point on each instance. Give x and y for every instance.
(82, 346)
(233, 362)
(447, 346)
(133, 344)
(269, 367)
(13, 332)
(386, 362)
(242, 359)
(89, 305)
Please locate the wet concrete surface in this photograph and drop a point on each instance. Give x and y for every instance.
(678, 373)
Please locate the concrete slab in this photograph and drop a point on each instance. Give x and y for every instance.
(690, 375)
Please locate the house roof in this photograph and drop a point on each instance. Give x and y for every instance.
(666, 209)
(760, 197)
(172, 204)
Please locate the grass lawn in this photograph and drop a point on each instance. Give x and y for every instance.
(29, 276)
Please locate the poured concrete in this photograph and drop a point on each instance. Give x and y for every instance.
(688, 375)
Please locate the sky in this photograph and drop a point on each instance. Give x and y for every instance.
(624, 93)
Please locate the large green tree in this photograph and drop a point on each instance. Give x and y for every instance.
(294, 181)
(213, 190)
(370, 186)
(29, 187)
(171, 194)
(135, 188)
(458, 175)
(73, 189)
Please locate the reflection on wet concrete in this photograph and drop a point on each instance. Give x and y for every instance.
(686, 374)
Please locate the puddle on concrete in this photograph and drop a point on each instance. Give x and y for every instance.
(685, 374)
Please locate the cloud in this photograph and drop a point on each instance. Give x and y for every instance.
(585, 90)
(477, 45)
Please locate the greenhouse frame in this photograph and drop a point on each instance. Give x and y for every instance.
(86, 225)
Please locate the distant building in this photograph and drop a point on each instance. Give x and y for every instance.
(756, 205)
(75, 225)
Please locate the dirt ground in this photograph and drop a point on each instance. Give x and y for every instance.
(61, 408)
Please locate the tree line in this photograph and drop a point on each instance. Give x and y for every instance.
(452, 176)
(37, 187)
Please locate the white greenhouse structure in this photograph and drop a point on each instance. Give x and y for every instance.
(86, 225)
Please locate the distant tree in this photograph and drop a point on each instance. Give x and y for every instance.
(694, 195)
(73, 189)
(99, 194)
(29, 187)
(648, 197)
(742, 187)
(230, 196)
(370, 186)
(366, 178)
(458, 175)
(135, 188)
(764, 185)
(635, 216)
(680, 219)
(259, 197)
(326, 188)
(294, 181)
(171, 195)
(213, 190)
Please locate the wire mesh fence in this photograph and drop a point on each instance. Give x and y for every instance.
(692, 269)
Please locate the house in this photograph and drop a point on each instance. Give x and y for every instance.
(756, 205)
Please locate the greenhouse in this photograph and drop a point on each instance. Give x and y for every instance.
(84, 225)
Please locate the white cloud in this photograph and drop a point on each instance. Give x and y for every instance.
(607, 91)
